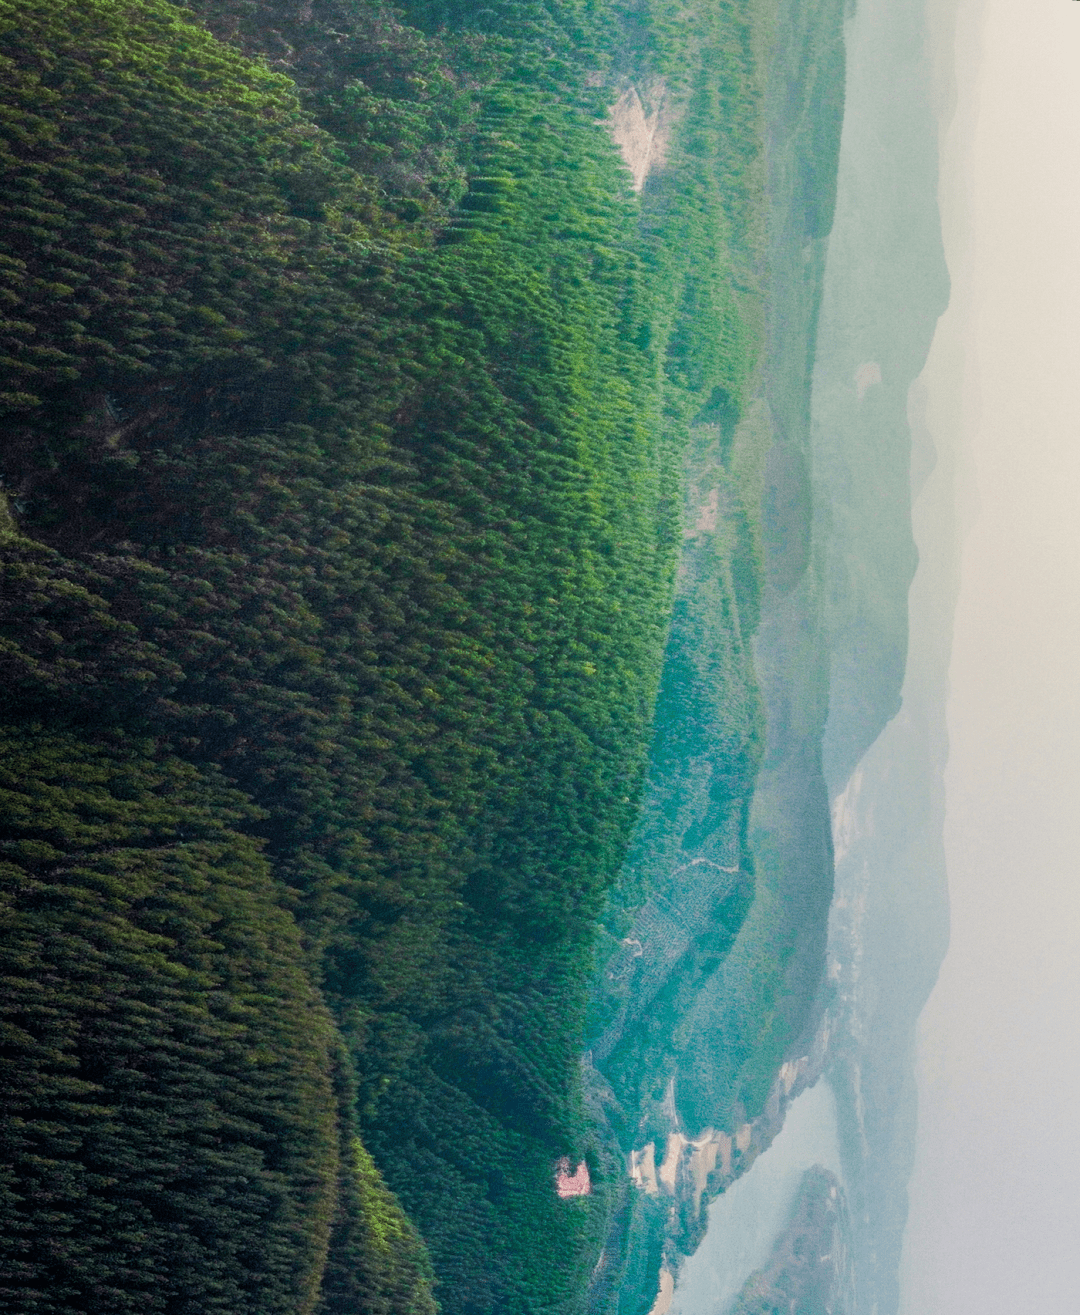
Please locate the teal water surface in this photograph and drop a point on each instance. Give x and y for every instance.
(746, 1220)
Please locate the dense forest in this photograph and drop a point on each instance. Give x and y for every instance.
(347, 389)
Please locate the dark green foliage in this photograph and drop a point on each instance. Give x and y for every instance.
(381, 1266)
(376, 1261)
(63, 654)
(344, 416)
(402, 106)
(169, 1139)
(151, 185)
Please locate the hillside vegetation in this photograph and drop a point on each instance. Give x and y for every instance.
(346, 388)
(712, 953)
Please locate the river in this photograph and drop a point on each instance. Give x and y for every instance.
(745, 1221)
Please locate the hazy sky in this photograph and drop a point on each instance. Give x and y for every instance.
(995, 1201)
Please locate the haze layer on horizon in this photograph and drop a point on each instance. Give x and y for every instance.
(993, 1220)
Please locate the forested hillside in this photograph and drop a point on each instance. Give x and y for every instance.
(346, 389)
(710, 991)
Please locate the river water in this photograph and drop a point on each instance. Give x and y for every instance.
(745, 1221)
